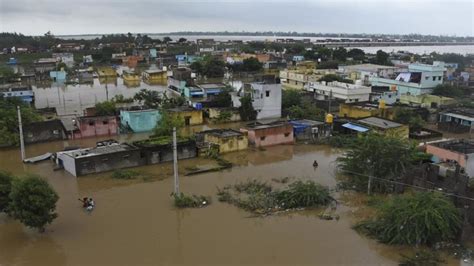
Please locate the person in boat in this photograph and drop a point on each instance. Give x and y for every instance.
(90, 204)
(85, 202)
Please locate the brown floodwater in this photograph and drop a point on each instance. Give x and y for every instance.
(135, 222)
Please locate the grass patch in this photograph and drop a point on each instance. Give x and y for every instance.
(194, 201)
(260, 198)
(125, 174)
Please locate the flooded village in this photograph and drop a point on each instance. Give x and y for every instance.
(285, 151)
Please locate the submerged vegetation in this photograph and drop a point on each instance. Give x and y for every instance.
(260, 198)
(413, 219)
(182, 200)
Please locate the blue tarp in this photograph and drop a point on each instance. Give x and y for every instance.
(355, 127)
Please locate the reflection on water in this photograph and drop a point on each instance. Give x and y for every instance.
(72, 99)
(135, 223)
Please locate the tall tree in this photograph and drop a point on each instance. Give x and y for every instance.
(33, 202)
(246, 110)
(6, 180)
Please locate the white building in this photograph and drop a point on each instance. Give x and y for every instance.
(339, 90)
(420, 79)
(66, 58)
(266, 98)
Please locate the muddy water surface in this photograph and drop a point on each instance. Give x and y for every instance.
(135, 223)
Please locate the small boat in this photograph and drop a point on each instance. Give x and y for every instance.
(39, 158)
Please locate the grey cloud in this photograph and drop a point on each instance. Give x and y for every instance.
(370, 16)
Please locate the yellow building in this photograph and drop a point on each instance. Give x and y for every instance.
(190, 115)
(155, 76)
(362, 110)
(385, 127)
(106, 72)
(426, 100)
(300, 77)
(228, 140)
(130, 76)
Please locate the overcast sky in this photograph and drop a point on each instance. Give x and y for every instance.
(447, 17)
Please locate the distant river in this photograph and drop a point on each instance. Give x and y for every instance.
(442, 49)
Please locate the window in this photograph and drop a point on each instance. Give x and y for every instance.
(267, 93)
(91, 123)
(390, 96)
(105, 122)
(427, 77)
(287, 134)
(434, 78)
(439, 78)
(262, 138)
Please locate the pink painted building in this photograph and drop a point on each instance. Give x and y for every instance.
(95, 126)
(461, 151)
(261, 135)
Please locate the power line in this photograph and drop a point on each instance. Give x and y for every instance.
(409, 185)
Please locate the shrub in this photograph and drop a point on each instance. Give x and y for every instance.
(412, 219)
(184, 201)
(6, 180)
(303, 194)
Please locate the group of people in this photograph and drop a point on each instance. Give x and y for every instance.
(88, 203)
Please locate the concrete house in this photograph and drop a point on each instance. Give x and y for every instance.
(43, 131)
(139, 120)
(457, 120)
(104, 157)
(24, 93)
(339, 90)
(420, 79)
(228, 140)
(365, 71)
(458, 150)
(190, 115)
(96, 126)
(386, 127)
(154, 76)
(308, 129)
(266, 96)
(159, 150)
(261, 135)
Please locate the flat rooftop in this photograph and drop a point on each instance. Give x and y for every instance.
(462, 113)
(367, 67)
(223, 133)
(258, 125)
(212, 85)
(379, 122)
(460, 146)
(109, 149)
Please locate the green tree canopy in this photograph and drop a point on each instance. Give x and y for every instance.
(6, 180)
(251, 64)
(414, 219)
(290, 98)
(448, 91)
(223, 99)
(328, 65)
(410, 118)
(246, 110)
(376, 155)
(382, 58)
(356, 54)
(105, 108)
(165, 125)
(149, 98)
(9, 132)
(33, 202)
(340, 54)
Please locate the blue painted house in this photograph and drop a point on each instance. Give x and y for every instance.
(58, 75)
(140, 120)
(24, 93)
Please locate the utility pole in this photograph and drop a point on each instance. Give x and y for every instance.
(329, 104)
(20, 126)
(175, 163)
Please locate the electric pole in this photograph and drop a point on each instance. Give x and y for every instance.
(175, 163)
(20, 127)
